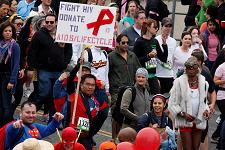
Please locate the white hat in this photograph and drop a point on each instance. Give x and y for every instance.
(34, 144)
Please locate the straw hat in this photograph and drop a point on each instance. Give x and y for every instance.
(34, 144)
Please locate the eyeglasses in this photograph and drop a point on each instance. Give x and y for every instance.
(124, 42)
(89, 85)
(51, 22)
(168, 25)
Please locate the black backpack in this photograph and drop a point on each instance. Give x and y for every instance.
(116, 114)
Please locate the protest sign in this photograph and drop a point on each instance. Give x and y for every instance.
(85, 24)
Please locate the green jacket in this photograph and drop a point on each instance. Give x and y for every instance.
(201, 14)
(121, 71)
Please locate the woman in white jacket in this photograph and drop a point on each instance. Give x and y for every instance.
(189, 106)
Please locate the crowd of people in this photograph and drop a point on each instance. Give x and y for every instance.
(159, 95)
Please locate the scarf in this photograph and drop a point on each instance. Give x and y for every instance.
(6, 46)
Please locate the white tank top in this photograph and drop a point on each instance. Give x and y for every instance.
(194, 95)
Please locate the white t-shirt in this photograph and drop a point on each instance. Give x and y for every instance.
(137, 30)
(220, 72)
(179, 58)
(171, 44)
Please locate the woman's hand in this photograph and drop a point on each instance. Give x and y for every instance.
(206, 114)
(152, 54)
(188, 117)
(154, 126)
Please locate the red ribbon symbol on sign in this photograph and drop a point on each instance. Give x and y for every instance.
(96, 25)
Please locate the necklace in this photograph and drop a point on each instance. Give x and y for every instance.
(193, 83)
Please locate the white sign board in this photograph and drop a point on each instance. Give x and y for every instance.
(85, 24)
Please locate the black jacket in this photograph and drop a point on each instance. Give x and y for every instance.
(192, 12)
(143, 46)
(154, 7)
(44, 53)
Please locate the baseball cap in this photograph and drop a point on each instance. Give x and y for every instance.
(87, 64)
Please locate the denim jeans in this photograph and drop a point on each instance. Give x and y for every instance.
(6, 114)
(46, 81)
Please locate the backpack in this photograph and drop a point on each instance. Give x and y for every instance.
(90, 56)
(116, 114)
(3, 134)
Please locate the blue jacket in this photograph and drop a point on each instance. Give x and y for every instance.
(24, 8)
(14, 65)
(44, 131)
(150, 117)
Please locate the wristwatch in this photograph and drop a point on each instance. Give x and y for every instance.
(182, 114)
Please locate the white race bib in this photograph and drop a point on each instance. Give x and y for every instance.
(83, 124)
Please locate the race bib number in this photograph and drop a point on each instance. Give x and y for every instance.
(83, 124)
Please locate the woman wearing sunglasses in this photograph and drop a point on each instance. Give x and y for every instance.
(148, 50)
(188, 104)
(9, 67)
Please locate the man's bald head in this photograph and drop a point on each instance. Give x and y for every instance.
(127, 135)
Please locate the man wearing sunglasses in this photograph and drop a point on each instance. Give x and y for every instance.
(164, 71)
(122, 68)
(49, 58)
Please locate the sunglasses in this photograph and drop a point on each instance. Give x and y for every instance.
(124, 42)
(168, 25)
(192, 67)
(51, 22)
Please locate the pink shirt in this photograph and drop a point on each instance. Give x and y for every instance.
(220, 72)
(212, 47)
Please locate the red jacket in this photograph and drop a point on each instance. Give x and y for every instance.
(81, 110)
